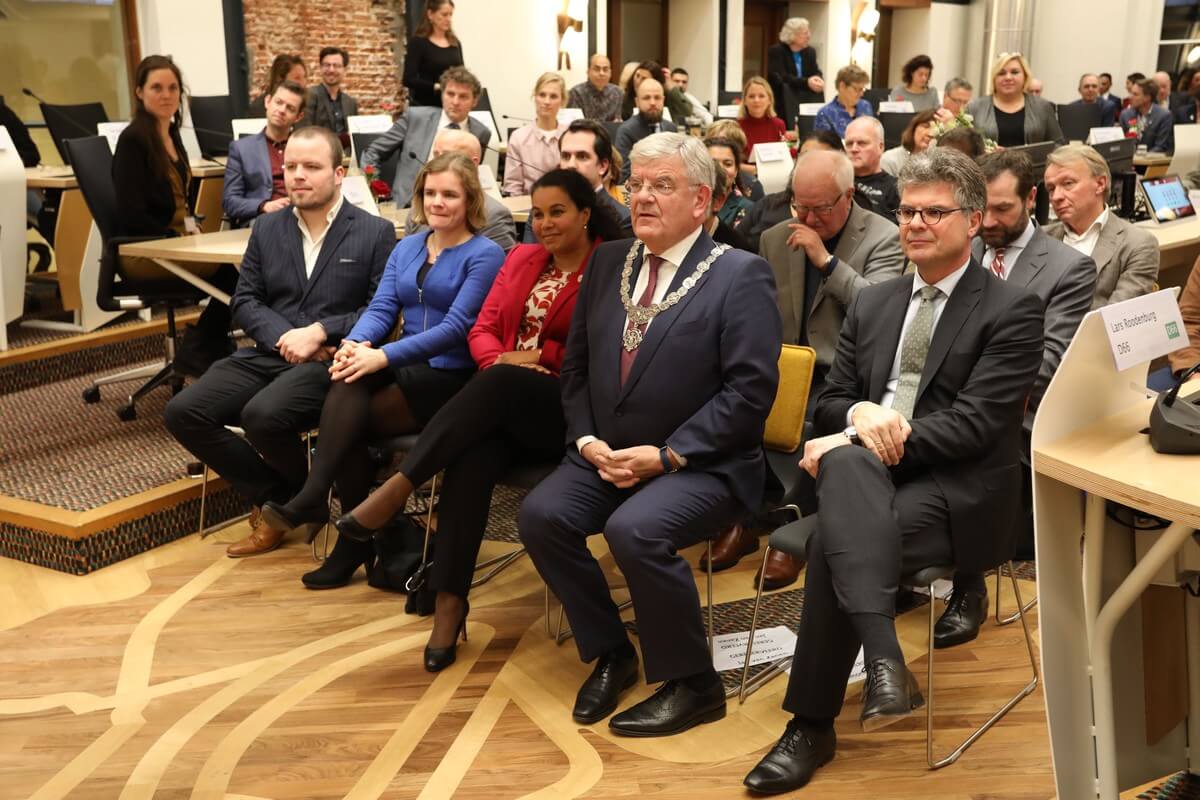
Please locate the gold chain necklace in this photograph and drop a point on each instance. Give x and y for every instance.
(641, 315)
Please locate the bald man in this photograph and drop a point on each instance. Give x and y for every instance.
(1163, 80)
(1036, 86)
(864, 145)
(500, 227)
(647, 120)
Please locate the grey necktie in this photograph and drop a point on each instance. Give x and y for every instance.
(913, 352)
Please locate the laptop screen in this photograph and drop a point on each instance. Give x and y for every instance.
(1168, 199)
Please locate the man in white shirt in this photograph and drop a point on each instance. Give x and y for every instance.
(1125, 255)
(680, 77)
(915, 458)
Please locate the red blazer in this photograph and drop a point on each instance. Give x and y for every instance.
(495, 330)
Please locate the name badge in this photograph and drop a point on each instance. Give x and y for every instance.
(1144, 328)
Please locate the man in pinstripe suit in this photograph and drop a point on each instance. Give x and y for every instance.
(307, 274)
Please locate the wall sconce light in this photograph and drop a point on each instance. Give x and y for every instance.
(570, 24)
(863, 22)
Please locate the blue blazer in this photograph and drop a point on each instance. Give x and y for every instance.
(438, 316)
(248, 182)
(274, 294)
(704, 377)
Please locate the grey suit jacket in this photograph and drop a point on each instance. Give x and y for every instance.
(1064, 280)
(248, 182)
(1126, 258)
(500, 227)
(632, 131)
(868, 252)
(413, 134)
(1041, 119)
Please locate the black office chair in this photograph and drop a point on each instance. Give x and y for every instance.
(1077, 120)
(894, 124)
(805, 125)
(212, 118)
(875, 97)
(92, 162)
(72, 122)
(484, 103)
(387, 170)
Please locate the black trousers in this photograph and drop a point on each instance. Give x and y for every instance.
(645, 527)
(272, 400)
(870, 532)
(505, 415)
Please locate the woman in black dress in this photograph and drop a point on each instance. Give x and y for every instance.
(432, 50)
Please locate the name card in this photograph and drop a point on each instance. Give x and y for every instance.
(729, 649)
(727, 112)
(1112, 133)
(369, 123)
(809, 109)
(767, 152)
(1144, 328)
(896, 107)
(358, 193)
(569, 115)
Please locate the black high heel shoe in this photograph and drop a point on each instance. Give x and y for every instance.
(438, 658)
(349, 527)
(274, 515)
(340, 565)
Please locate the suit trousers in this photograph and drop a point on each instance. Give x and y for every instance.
(272, 400)
(645, 527)
(505, 415)
(870, 532)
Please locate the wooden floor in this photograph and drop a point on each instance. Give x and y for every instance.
(184, 674)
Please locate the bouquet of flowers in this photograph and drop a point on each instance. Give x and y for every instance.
(942, 125)
(379, 188)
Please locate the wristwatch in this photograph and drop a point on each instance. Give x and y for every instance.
(668, 467)
(852, 435)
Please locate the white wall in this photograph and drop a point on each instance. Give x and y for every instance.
(193, 33)
(692, 44)
(830, 24)
(735, 45)
(940, 32)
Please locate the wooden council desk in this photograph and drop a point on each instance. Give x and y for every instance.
(173, 255)
(1116, 684)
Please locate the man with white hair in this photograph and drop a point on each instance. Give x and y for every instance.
(1163, 81)
(864, 145)
(669, 374)
(792, 68)
(1036, 86)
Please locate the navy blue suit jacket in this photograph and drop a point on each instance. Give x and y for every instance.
(248, 182)
(273, 293)
(704, 377)
(1159, 136)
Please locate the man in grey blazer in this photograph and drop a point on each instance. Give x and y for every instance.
(500, 227)
(329, 106)
(1125, 255)
(254, 182)
(414, 131)
(308, 273)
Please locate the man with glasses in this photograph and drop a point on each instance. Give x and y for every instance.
(598, 96)
(915, 461)
(671, 368)
(328, 106)
(848, 105)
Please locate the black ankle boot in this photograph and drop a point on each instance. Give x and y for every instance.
(340, 565)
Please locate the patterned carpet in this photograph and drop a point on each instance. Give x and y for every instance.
(1182, 786)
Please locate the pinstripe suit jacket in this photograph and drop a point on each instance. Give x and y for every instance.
(273, 293)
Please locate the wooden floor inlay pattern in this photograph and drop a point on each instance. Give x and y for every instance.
(183, 674)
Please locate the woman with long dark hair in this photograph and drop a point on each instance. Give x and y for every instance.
(511, 411)
(432, 50)
(151, 177)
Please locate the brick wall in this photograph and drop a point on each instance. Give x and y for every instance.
(373, 31)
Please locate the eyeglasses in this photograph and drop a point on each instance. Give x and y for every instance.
(821, 211)
(663, 187)
(930, 216)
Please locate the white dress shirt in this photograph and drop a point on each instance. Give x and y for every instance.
(1012, 251)
(444, 123)
(1085, 242)
(946, 285)
(672, 257)
(311, 246)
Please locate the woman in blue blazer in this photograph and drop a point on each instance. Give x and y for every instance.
(434, 285)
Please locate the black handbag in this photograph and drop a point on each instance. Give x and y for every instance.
(399, 547)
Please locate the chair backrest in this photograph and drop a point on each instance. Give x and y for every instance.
(805, 125)
(1077, 121)
(876, 96)
(247, 126)
(212, 117)
(785, 424)
(387, 170)
(893, 127)
(72, 122)
(92, 161)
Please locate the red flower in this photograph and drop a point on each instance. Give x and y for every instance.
(380, 189)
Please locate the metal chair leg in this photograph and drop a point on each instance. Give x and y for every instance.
(1011, 619)
(936, 763)
(203, 497)
(709, 572)
(501, 563)
(777, 667)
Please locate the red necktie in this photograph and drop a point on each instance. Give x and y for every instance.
(998, 263)
(646, 299)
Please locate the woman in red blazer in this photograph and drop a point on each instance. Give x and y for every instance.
(510, 412)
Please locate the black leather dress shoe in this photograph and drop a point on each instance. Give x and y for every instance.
(672, 709)
(792, 761)
(599, 694)
(961, 620)
(891, 694)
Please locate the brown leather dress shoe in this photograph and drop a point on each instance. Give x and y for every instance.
(262, 539)
(729, 547)
(782, 570)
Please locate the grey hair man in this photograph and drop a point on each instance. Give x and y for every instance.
(916, 449)
(864, 144)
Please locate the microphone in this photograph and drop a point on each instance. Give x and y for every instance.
(29, 93)
(515, 119)
(527, 165)
(416, 158)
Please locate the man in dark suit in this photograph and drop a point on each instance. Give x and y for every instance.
(648, 120)
(916, 460)
(307, 274)
(254, 182)
(1154, 125)
(1089, 94)
(670, 372)
(586, 147)
(329, 106)
(414, 132)
(792, 69)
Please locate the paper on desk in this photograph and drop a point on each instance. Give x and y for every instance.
(729, 649)
(857, 673)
